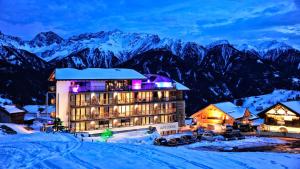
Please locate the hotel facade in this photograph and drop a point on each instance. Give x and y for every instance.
(95, 99)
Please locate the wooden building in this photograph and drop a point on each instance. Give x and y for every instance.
(216, 116)
(282, 117)
(11, 114)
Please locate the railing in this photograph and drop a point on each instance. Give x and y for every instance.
(97, 102)
(144, 86)
(126, 114)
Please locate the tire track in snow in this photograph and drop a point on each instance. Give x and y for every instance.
(178, 157)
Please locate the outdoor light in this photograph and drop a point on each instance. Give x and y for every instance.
(136, 106)
(155, 117)
(136, 84)
(75, 88)
(92, 122)
(115, 121)
(163, 84)
(115, 94)
(92, 95)
(136, 119)
(155, 105)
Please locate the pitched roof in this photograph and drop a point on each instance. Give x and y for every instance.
(293, 105)
(231, 109)
(180, 86)
(96, 73)
(12, 109)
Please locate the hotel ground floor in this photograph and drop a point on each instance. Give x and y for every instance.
(101, 124)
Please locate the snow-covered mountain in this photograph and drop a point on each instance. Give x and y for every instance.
(216, 72)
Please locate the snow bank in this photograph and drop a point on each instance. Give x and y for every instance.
(245, 143)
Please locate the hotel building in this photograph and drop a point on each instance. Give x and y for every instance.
(94, 99)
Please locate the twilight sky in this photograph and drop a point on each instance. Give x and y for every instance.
(191, 20)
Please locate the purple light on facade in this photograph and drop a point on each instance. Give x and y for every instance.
(75, 88)
(164, 84)
(136, 84)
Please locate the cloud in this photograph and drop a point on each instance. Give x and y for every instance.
(190, 20)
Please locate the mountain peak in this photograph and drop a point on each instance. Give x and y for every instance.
(218, 42)
(46, 38)
(272, 44)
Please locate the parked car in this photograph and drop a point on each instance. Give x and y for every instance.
(189, 139)
(211, 136)
(172, 142)
(161, 141)
(199, 137)
(245, 128)
(180, 141)
(228, 128)
(229, 136)
(239, 136)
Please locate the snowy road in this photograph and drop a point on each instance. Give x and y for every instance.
(64, 151)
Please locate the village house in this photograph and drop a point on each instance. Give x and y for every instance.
(11, 114)
(216, 116)
(282, 117)
(94, 99)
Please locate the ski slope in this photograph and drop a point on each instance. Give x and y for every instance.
(42, 150)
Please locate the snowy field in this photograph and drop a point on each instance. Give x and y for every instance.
(42, 150)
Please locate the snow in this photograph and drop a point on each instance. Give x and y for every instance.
(18, 128)
(59, 150)
(218, 42)
(180, 86)
(245, 143)
(4, 101)
(12, 109)
(33, 108)
(294, 105)
(256, 104)
(231, 109)
(257, 122)
(96, 73)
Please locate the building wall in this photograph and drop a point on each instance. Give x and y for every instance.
(211, 115)
(17, 118)
(62, 101)
(99, 110)
(4, 117)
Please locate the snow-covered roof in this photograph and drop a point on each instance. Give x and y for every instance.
(33, 108)
(96, 73)
(257, 122)
(29, 117)
(180, 86)
(12, 109)
(231, 109)
(294, 105)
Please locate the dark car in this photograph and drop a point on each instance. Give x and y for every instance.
(199, 137)
(189, 139)
(239, 136)
(245, 128)
(229, 136)
(172, 142)
(161, 142)
(180, 141)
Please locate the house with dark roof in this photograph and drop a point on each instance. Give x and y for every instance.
(11, 114)
(282, 117)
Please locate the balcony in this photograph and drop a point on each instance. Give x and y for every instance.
(116, 114)
(144, 86)
(97, 102)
